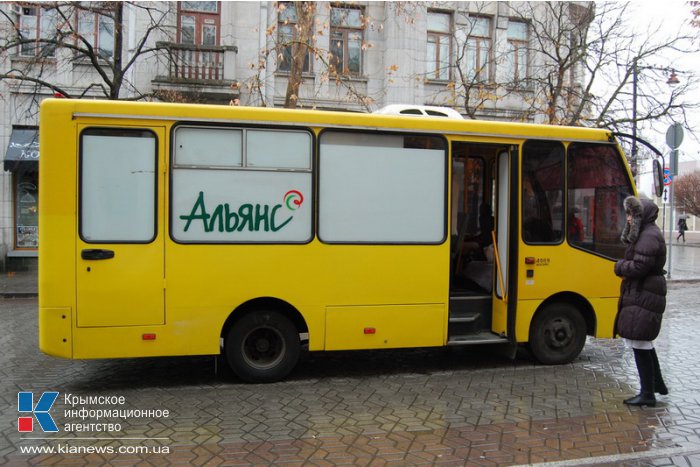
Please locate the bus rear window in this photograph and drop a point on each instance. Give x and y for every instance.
(117, 186)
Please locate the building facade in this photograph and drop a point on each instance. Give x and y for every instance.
(484, 59)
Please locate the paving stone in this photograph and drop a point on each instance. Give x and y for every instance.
(410, 407)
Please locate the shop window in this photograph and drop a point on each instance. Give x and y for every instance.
(26, 201)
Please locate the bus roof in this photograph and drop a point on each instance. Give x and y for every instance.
(78, 108)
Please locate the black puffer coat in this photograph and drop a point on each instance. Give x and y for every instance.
(643, 291)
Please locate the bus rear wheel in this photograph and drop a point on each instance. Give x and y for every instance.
(557, 334)
(262, 347)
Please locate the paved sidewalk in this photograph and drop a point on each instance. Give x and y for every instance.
(18, 284)
(452, 407)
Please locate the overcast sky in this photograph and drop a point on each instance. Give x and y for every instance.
(673, 16)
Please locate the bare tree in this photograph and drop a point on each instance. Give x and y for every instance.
(696, 13)
(301, 46)
(558, 47)
(686, 192)
(88, 34)
(297, 47)
(583, 60)
(621, 61)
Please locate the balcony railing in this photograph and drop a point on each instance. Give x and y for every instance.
(199, 62)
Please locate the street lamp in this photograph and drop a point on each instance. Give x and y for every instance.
(672, 82)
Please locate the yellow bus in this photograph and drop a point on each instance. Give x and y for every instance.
(256, 234)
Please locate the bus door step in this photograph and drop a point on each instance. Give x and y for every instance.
(469, 315)
(484, 337)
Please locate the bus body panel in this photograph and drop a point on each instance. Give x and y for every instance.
(553, 270)
(56, 331)
(57, 230)
(126, 289)
(605, 310)
(384, 326)
(399, 291)
(207, 283)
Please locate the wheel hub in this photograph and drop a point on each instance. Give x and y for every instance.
(559, 334)
(263, 348)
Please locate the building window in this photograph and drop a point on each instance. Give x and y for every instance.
(346, 40)
(26, 210)
(438, 59)
(517, 58)
(37, 24)
(199, 23)
(97, 29)
(286, 35)
(478, 49)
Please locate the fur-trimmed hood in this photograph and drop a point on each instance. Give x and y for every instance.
(643, 212)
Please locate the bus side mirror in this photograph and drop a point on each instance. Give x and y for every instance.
(658, 174)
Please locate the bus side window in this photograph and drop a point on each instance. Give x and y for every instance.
(118, 185)
(543, 192)
(597, 186)
(368, 188)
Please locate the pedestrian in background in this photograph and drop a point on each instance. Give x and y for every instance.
(642, 295)
(682, 227)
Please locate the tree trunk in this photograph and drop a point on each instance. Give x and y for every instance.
(118, 73)
(300, 49)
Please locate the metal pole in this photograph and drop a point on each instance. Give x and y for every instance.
(663, 218)
(670, 231)
(634, 121)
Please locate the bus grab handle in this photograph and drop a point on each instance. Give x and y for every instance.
(499, 270)
(97, 254)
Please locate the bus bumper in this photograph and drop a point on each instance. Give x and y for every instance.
(55, 332)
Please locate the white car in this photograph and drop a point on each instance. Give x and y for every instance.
(419, 111)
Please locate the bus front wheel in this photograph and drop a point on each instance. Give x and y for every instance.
(262, 347)
(557, 334)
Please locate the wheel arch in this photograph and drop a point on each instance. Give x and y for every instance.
(265, 303)
(583, 306)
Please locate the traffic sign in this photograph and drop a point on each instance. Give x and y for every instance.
(668, 178)
(674, 135)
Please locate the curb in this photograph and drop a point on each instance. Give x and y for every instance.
(19, 294)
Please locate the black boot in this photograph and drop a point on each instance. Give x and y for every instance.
(645, 368)
(659, 385)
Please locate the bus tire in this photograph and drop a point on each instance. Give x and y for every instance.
(262, 347)
(557, 334)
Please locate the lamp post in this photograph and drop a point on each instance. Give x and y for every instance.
(672, 82)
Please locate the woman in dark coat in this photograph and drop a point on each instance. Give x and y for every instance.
(642, 294)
